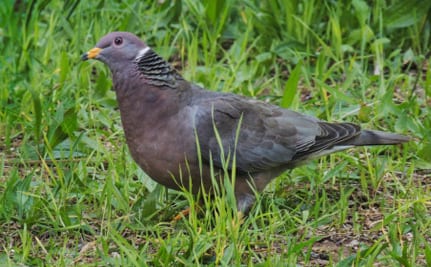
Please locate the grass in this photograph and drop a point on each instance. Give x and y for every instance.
(70, 193)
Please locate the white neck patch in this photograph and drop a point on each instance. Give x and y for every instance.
(142, 52)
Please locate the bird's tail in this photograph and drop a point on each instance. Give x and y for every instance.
(370, 138)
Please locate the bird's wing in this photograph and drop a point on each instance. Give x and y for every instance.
(267, 136)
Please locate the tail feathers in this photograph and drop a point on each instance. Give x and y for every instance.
(363, 138)
(370, 138)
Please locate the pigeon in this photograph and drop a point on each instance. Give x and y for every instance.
(184, 136)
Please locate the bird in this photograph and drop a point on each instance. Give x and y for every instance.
(185, 136)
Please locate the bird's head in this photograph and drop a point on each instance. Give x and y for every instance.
(116, 49)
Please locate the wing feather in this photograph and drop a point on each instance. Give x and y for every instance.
(269, 136)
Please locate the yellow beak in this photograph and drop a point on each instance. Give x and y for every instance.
(94, 52)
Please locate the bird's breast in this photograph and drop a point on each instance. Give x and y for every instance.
(160, 138)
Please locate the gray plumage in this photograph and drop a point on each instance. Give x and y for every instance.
(163, 115)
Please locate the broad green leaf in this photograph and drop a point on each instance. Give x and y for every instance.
(290, 90)
(406, 13)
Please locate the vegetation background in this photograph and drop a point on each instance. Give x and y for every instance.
(71, 195)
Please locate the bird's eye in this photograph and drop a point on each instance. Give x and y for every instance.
(118, 40)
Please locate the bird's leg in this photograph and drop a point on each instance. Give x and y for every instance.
(181, 214)
(244, 202)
